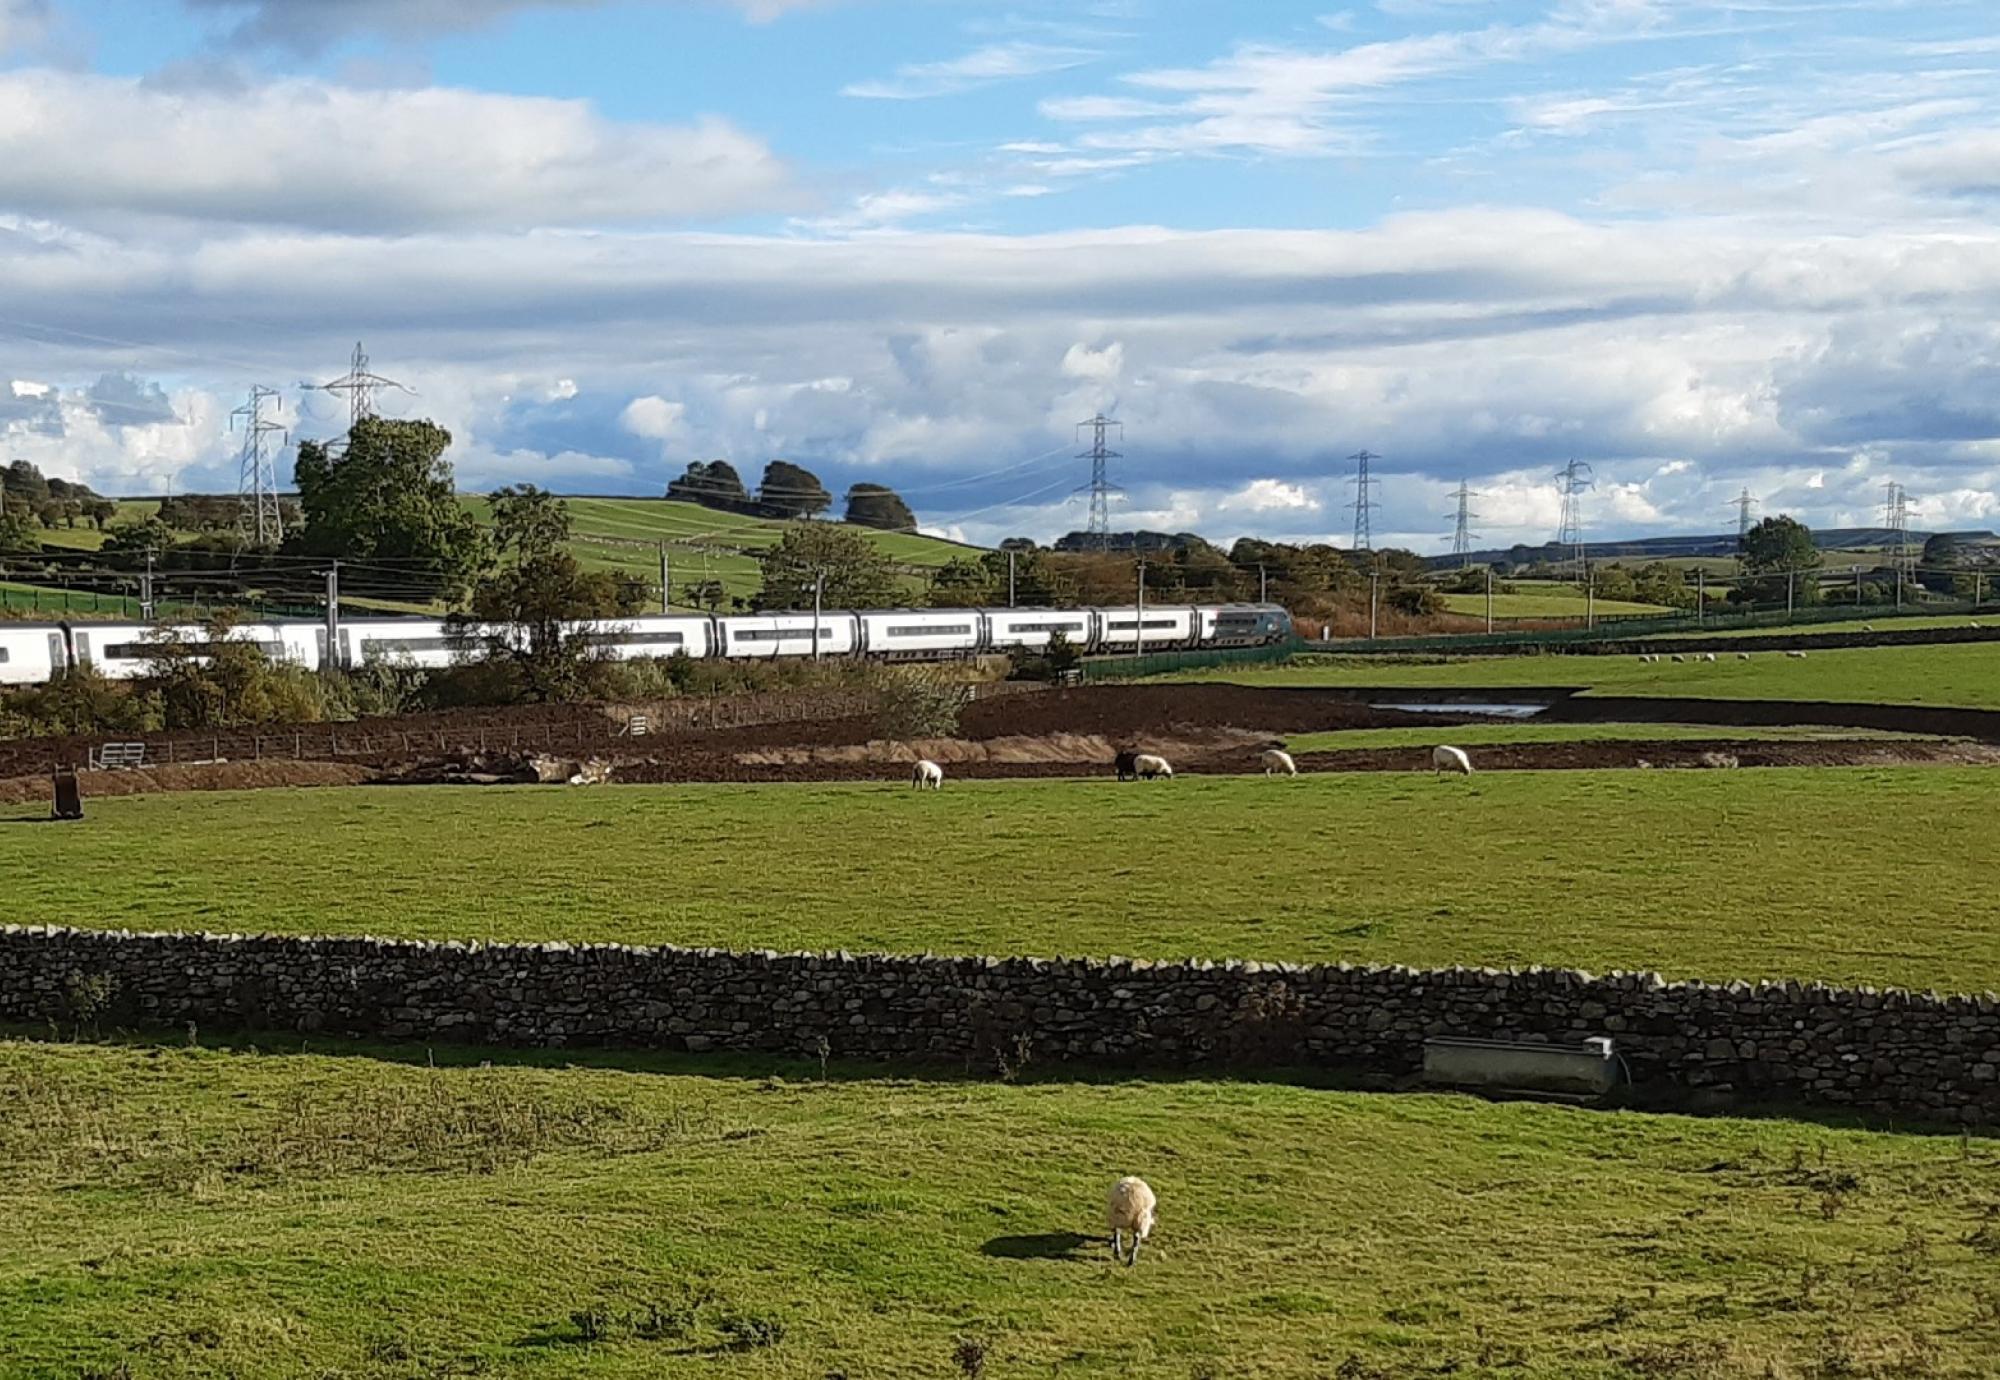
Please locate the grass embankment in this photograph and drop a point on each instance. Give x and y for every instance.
(1963, 676)
(1882, 622)
(1544, 599)
(1860, 875)
(702, 543)
(201, 1213)
(1479, 735)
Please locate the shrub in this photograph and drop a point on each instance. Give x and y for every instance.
(918, 702)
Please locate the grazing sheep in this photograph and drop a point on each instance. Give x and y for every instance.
(927, 775)
(1129, 1212)
(1450, 759)
(1708, 656)
(1743, 656)
(1868, 627)
(1679, 657)
(1125, 764)
(1147, 766)
(1277, 761)
(1796, 655)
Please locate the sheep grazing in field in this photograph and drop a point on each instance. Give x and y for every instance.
(1451, 759)
(1129, 1213)
(1796, 655)
(1126, 765)
(927, 775)
(1678, 657)
(1743, 656)
(1277, 761)
(1708, 657)
(1146, 766)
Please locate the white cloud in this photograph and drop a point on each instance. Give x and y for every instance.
(306, 26)
(1269, 496)
(1099, 366)
(305, 152)
(653, 417)
(996, 62)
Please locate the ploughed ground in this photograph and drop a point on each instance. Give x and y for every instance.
(1006, 731)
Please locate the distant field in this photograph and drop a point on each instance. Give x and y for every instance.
(1964, 675)
(1881, 876)
(84, 537)
(1476, 735)
(204, 1213)
(1537, 605)
(1846, 627)
(700, 541)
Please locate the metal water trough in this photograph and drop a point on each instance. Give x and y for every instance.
(1591, 1069)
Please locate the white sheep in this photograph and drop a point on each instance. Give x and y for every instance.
(1743, 656)
(1275, 760)
(1147, 766)
(1679, 657)
(1796, 655)
(1708, 657)
(927, 775)
(1129, 1212)
(1450, 759)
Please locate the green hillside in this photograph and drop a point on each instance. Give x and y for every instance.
(625, 534)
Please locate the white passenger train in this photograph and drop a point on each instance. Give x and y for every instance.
(32, 653)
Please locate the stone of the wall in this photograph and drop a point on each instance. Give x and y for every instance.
(1910, 1054)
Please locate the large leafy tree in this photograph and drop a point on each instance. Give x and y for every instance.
(791, 491)
(713, 484)
(856, 573)
(524, 608)
(874, 505)
(1780, 551)
(388, 498)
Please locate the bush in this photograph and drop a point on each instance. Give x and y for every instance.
(1415, 600)
(1050, 663)
(918, 702)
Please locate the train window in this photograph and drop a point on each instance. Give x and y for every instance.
(381, 646)
(4, 654)
(1150, 622)
(146, 651)
(661, 639)
(951, 630)
(777, 634)
(1044, 627)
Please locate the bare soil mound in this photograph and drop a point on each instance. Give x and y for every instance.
(1014, 749)
(216, 776)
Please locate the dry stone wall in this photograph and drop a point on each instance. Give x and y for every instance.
(1909, 1054)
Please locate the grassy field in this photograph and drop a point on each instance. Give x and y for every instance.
(1965, 675)
(189, 1212)
(1542, 599)
(1476, 735)
(703, 544)
(1882, 622)
(1880, 876)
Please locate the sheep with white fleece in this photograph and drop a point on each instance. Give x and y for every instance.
(1451, 759)
(927, 775)
(1129, 1213)
(1276, 760)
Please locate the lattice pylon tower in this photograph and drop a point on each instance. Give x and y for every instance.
(1100, 488)
(1462, 535)
(1364, 500)
(360, 384)
(257, 476)
(1896, 517)
(1573, 479)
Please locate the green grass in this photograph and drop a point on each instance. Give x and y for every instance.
(1963, 675)
(1847, 626)
(191, 1213)
(1477, 735)
(699, 541)
(1543, 599)
(42, 603)
(84, 537)
(1864, 875)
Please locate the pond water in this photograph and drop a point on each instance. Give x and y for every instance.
(1498, 711)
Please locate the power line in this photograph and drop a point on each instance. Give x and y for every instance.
(1573, 479)
(257, 478)
(1364, 500)
(1462, 536)
(1100, 487)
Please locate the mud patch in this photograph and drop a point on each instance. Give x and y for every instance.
(1013, 749)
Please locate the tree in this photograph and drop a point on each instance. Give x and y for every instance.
(17, 530)
(99, 511)
(873, 505)
(789, 491)
(138, 538)
(1779, 549)
(522, 611)
(25, 481)
(388, 498)
(856, 573)
(960, 583)
(712, 484)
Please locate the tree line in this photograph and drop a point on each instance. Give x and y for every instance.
(788, 491)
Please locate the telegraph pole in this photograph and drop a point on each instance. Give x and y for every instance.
(1374, 588)
(1010, 579)
(1489, 598)
(256, 477)
(1139, 629)
(819, 591)
(333, 656)
(1100, 488)
(146, 590)
(666, 581)
(1263, 584)
(1364, 500)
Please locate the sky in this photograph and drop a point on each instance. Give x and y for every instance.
(1702, 246)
